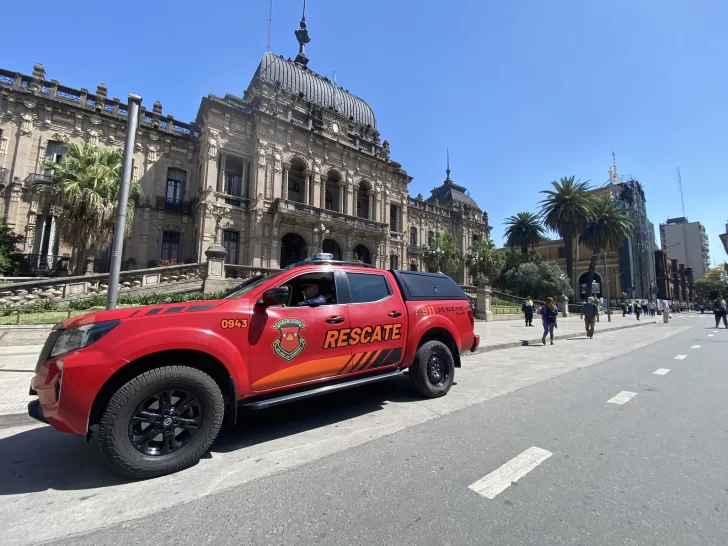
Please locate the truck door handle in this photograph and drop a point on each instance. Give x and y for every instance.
(335, 320)
(395, 314)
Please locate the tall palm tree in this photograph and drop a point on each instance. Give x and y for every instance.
(85, 187)
(606, 231)
(443, 253)
(567, 210)
(524, 230)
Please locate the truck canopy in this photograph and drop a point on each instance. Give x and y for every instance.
(419, 286)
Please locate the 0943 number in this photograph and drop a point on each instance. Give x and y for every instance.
(227, 324)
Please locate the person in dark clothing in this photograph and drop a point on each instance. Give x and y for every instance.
(720, 311)
(549, 314)
(637, 310)
(624, 308)
(528, 310)
(590, 314)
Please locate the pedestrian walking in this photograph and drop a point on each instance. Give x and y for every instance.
(624, 308)
(528, 310)
(590, 314)
(720, 311)
(652, 307)
(644, 308)
(637, 310)
(549, 312)
(665, 312)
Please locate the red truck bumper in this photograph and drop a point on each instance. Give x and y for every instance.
(476, 344)
(66, 387)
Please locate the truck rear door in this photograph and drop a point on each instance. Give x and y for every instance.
(377, 333)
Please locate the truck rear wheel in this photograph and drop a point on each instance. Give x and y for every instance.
(160, 422)
(433, 370)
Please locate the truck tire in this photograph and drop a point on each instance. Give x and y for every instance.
(160, 422)
(433, 370)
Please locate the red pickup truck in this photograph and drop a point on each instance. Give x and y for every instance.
(155, 382)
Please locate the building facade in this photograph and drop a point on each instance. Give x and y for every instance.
(636, 256)
(688, 243)
(293, 167)
(556, 251)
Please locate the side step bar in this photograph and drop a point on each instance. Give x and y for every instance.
(270, 402)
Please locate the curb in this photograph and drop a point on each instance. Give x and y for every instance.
(537, 341)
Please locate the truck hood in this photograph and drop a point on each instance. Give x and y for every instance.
(131, 313)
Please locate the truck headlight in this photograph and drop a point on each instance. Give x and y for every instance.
(82, 336)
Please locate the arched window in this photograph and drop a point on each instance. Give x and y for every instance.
(329, 201)
(413, 236)
(294, 191)
(362, 201)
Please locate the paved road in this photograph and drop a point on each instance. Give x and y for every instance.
(376, 466)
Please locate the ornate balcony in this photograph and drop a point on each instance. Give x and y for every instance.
(337, 220)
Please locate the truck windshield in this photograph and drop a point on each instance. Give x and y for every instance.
(249, 285)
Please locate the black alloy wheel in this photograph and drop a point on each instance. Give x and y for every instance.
(165, 422)
(437, 370)
(433, 370)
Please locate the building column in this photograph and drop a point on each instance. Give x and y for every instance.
(307, 187)
(350, 199)
(221, 174)
(372, 207)
(284, 184)
(323, 179)
(342, 192)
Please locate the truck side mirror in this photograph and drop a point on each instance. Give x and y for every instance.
(275, 296)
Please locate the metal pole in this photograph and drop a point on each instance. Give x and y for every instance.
(120, 226)
(606, 277)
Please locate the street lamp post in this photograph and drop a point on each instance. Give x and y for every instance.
(125, 182)
(322, 232)
(606, 280)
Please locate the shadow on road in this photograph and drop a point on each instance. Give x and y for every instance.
(42, 458)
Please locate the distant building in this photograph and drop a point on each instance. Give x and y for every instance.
(724, 239)
(556, 251)
(687, 242)
(636, 256)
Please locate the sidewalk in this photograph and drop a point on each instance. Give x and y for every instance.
(17, 363)
(514, 333)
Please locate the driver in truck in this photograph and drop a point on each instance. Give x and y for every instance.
(312, 295)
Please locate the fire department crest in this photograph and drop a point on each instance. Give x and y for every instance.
(290, 342)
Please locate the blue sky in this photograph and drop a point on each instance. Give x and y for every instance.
(522, 92)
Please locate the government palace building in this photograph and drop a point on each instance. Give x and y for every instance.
(294, 166)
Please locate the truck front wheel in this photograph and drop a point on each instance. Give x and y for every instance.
(160, 422)
(433, 370)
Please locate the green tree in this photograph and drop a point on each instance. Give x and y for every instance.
(524, 230)
(85, 187)
(606, 231)
(442, 254)
(711, 286)
(10, 258)
(567, 210)
(539, 280)
(485, 261)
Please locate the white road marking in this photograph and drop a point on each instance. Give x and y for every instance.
(680, 357)
(710, 335)
(661, 371)
(715, 331)
(498, 481)
(622, 397)
(695, 347)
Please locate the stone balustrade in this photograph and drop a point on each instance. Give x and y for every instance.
(176, 278)
(242, 272)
